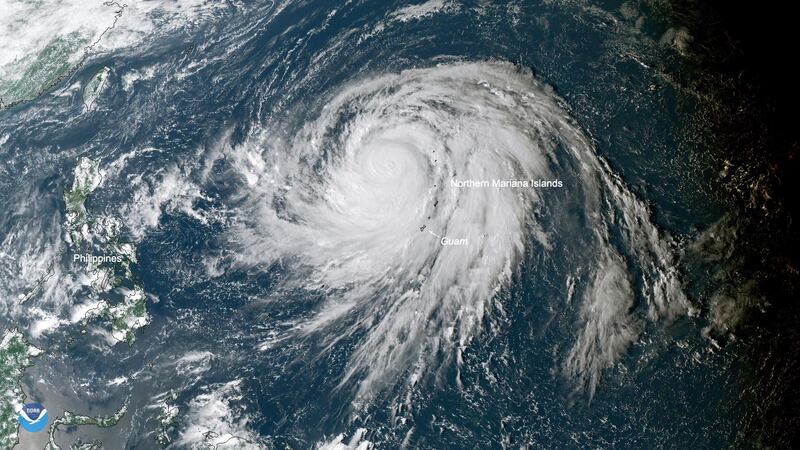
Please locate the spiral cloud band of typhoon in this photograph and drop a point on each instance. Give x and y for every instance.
(358, 201)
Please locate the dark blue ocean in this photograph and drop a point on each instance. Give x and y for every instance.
(222, 350)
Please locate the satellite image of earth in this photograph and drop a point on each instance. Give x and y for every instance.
(435, 224)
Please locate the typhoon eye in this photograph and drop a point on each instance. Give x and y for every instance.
(420, 296)
(432, 224)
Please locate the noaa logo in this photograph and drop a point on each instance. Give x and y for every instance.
(33, 417)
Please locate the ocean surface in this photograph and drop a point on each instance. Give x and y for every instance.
(276, 179)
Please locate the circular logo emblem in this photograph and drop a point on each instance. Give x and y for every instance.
(33, 417)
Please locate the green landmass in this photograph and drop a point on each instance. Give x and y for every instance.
(71, 419)
(167, 418)
(87, 177)
(95, 85)
(15, 357)
(51, 64)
